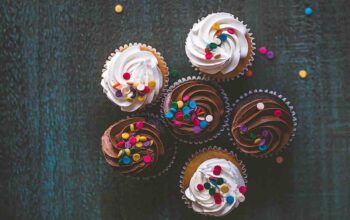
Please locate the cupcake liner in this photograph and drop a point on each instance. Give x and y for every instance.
(286, 102)
(240, 74)
(153, 117)
(225, 121)
(165, 76)
(242, 166)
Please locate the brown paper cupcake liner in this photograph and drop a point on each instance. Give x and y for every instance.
(246, 67)
(225, 120)
(166, 168)
(242, 167)
(286, 102)
(161, 64)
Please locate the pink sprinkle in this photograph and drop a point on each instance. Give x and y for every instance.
(231, 30)
(278, 113)
(193, 117)
(208, 56)
(177, 123)
(196, 122)
(132, 140)
(185, 98)
(243, 189)
(262, 50)
(147, 159)
(179, 116)
(139, 125)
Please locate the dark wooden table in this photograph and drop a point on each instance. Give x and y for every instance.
(53, 111)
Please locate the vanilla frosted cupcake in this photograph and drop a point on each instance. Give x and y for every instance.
(220, 46)
(134, 76)
(213, 182)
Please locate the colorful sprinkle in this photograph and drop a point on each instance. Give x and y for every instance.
(138, 144)
(147, 144)
(120, 153)
(263, 148)
(127, 144)
(262, 50)
(308, 11)
(151, 83)
(185, 98)
(212, 46)
(132, 127)
(169, 115)
(302, 74)
(118, 8)
(252, 135)
(125, 136)
(217, 170)
(242, 189)
(177, 124)
(139, 125)
(179, 116)
(224, 189)
(260, 106)
(262, 142)
(207, 185)
(220, 181)
(127, 151)
(223, 37)
(270, 55)
(146, 90)
(186, 110)
(211, 191)
(203, 124)
(173, 73)
(132, 140)
(241, 198)
(231, 30)
(243, 129)
(119, 144)
(136, 157)
(216, 26)
(257, 141)
(140, 98)
(249, 73)
(200, 187)
(230, 200)
(208, 56)
(193, 104)
(278, 113)
(180, 104)
(209, 118)
(279, 159)
(147, 159)
(126, 160)
(196, 129)
(187, 117)
(118, 93)
(126, 76)
(265, 133)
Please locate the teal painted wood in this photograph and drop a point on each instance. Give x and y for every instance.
(53, 111)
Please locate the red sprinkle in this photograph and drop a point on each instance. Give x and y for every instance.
(126, 76)
(177, 123)
(217, 196)
(200, 187)
(243, 189)
(208, 56)
(278, 113)
(196, 122)
(179, 116)
(231, 30)
(193, 117)
(147, 89)
(218, 201)
(217, 170)
(119, 144)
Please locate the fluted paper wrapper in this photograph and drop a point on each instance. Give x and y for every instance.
(286, 102)
(162, 63)
(225, 120)
(243, 71)
(242, 167)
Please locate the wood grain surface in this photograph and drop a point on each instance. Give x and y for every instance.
(53, 111)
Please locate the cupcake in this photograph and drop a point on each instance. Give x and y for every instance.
(220, 46)
(194, 109)
(263, 123)
(134, 76)
(135, 146)
(213, 182)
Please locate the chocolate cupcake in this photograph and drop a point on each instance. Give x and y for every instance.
(194, 109)
(136, 146)
(263, 123)
(213, 182)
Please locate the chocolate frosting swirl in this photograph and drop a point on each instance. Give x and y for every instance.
(274, 131)
(113, 135)
(206, 97)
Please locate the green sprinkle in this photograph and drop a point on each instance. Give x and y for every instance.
(173, 73)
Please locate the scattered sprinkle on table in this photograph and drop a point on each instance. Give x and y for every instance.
(302, 74)
(262, 50)
(308, 11)
(118, 8)
(249, 73)
(270, 55)
(279, 159)
(173, 74)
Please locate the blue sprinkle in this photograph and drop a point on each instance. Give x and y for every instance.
(213, 181)
(169, 115)
(126, 160)
(308, 11)
(186, 110)
(193, 104)
(263, 147)
(173, 109)
(230, 200)
(223, 37)
(203, 124)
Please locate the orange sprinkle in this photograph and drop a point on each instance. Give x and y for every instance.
(249, 73)
(200, 113)
(218, 33)
(116, 85)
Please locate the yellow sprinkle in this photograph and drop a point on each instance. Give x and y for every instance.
(129, 99)
(180, 104)
(135, 84)
(302, 74)
(118, 8)
(120, 153)
(140, 98)
(257, 141)
(132, 127)
(137, 138)
(216, 26)
(143, 138)
(151, 143)
(125, 136)
(224, 189)
(151, 83)
(127, 151)
(139, 144)
(136, 157)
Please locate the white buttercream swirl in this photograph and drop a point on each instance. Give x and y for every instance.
(143, 67)
(231, 50)
(204, 203)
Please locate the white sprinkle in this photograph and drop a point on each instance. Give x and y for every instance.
(140, 87)
(201, 118)
(260, 106)
(209, 118)
(125, 90)
(241, 198)
(217, 41)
